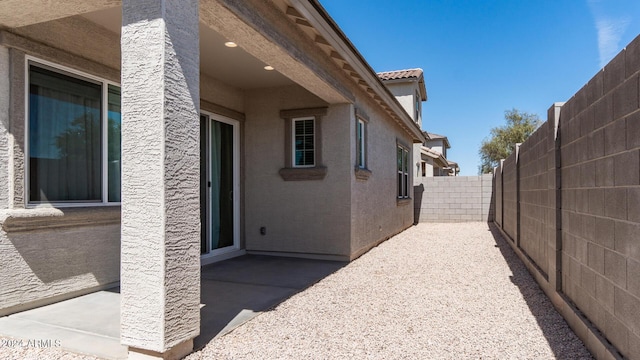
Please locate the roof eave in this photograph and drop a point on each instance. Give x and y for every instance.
(323, 23)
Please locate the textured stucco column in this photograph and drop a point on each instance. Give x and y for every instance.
(4, 127)
(160, 268)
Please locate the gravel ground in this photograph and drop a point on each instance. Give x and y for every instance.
(14, 349)
(436, 291)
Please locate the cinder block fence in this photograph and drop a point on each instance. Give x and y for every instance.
(453, 198)
(568, 199)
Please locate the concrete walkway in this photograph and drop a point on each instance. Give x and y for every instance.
(435, 291)
(233, 291)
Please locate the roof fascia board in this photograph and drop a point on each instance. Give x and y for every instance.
(323, 23)
(401, 80)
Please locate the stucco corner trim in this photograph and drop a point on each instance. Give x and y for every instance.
(21, 220)
(362, 174)
(303, 174)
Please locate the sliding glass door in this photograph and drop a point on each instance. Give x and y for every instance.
(219, 172)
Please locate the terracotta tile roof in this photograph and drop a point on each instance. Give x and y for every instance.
(400, 74)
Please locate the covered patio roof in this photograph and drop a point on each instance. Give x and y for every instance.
(309, 49)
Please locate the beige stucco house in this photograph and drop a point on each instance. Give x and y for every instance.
(141, 139)
(409, 88)
(430, 156)
(438, 145)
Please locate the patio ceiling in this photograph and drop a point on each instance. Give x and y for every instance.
(233, 66)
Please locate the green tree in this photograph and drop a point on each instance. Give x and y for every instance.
(502, 141)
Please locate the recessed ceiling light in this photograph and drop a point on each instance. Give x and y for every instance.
(268, 67)
(230, 44)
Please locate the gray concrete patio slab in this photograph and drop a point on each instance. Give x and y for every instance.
(278, 271)
(233, 291)
(236, 290)
(88, 324)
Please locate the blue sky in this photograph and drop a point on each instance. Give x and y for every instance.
(482, 57)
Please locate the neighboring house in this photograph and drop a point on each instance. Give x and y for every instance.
(141, 139)
(439, 144)
(454, 168)
(431, 162)
(409, 88)
(430, 157)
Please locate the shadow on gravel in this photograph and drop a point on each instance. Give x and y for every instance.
(562, 340)
(236, 290)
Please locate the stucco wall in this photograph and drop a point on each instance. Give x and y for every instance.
(65, 257)
(416, 164)
(579, 193)
(77, 35)
(376, 214)
(437, 145)
(299, 216)
(45, 255)
(405, 92)
(216, 92)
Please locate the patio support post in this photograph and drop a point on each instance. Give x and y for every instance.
(160, 263)
(5, 179)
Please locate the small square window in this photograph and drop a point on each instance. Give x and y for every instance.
(303, 144)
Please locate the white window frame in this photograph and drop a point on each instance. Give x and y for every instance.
(64, 70)
(234, 250)
(362, 146)
(293, 141)
(403, 172)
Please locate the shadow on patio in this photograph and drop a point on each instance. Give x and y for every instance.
(232, 292)
(236, 290)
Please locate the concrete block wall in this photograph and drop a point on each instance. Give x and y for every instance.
(498, 199)
(600, 154)
(510, 196)
(578, 192)
(536, 199)
(454, 198)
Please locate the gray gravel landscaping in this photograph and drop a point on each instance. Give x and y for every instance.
(435, 291)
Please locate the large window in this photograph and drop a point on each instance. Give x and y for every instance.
(73, 137)
(403, 172)
(304, 142)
